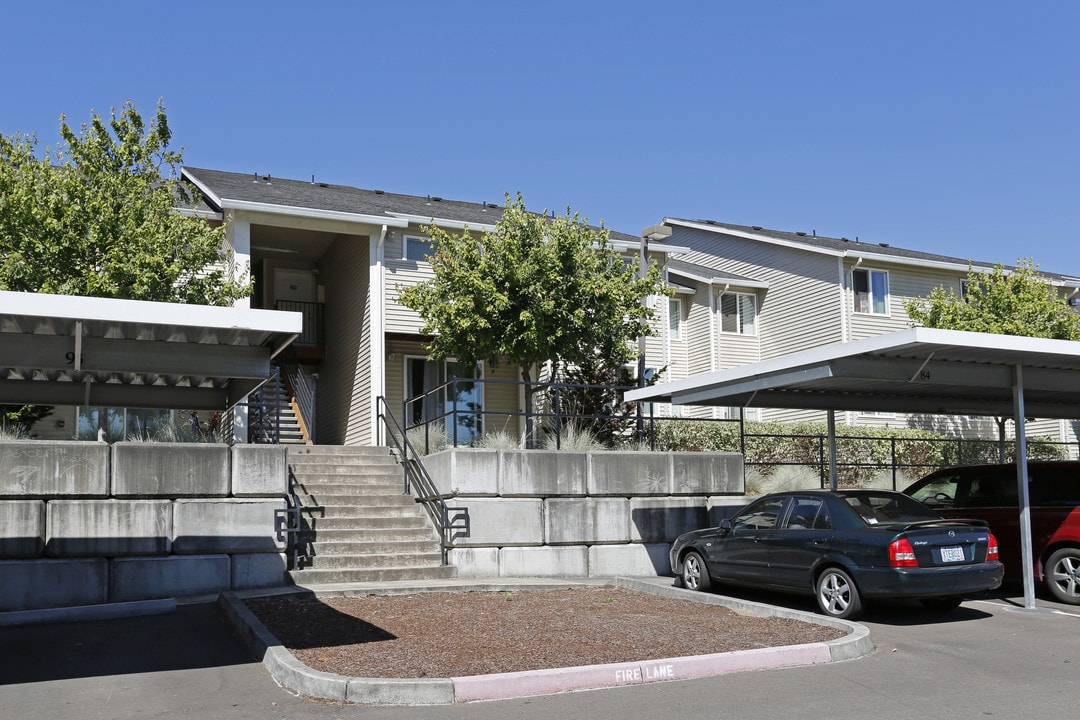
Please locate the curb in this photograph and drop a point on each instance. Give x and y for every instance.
(298, 678)
(105, 611)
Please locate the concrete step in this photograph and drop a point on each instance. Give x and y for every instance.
(366, 500)
(384, 524)
(360, 560)
(370, 535)
(358, 490)
(381, 467)
(364, 513)
(339, 451)
(313, 576)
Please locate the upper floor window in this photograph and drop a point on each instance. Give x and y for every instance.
(418, 248)
(675, 330)
(738, 313)
(871, 288)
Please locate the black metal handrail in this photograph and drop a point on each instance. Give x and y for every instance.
(311, 332)
(291, 529)
(451, 523)
(264, 413)
(304, 393)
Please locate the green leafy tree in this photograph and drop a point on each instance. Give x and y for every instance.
(1017, 302)
(534, 290)
(96, 216)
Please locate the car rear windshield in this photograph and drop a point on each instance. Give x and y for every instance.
(879, 509)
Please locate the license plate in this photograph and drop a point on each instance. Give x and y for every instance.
(952, 554)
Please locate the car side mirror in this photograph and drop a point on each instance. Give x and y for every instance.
(725, 526)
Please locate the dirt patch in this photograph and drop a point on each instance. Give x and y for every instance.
(453, 634)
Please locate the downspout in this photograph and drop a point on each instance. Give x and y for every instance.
(845, 334)
(377, 355)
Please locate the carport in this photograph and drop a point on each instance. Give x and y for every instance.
(919, 370)
(64, 350)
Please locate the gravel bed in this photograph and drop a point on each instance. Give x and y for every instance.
(454, 634)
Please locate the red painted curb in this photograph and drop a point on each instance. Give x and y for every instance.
(590, 677)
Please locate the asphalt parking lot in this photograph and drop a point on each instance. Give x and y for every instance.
(989, 658)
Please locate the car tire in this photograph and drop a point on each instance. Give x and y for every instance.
(1062, 575)
(837, 595)
(695, 576)
(947, 602)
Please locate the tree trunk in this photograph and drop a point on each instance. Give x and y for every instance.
(529, 424)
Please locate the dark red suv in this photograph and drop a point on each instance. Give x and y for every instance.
(990, 493)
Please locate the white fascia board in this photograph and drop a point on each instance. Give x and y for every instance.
(752, 236)
(203, 188)
(657, 247)
(201, 214)
(311, 213)
(442, 222)
(961, 267)
(733, 282)
(879, 258)
(148, 312)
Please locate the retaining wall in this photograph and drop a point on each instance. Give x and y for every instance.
(83, 523)
(537, 513)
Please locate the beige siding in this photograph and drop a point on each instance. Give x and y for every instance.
(738, 350)
(700, 353)
(345, 376)
(501, 401)
(800, 309)
(399, 275)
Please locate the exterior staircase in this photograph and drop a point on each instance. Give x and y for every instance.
(357, 524)
(281, 415)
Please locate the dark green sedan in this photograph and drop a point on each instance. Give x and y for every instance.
(844, 547)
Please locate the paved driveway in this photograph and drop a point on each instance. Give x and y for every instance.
(990, 659)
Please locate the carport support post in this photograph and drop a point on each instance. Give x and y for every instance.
(1022, 485)
(832, 450)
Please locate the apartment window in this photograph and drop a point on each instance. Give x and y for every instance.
(418, 248)
(675, 331)
(738, 313)
(871, 289)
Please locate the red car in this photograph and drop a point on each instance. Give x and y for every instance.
(990, 493)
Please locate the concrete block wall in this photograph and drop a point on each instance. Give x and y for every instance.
(537, 513)
(83, 523)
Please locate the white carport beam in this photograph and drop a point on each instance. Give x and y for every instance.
(54, 352)
(40, 392)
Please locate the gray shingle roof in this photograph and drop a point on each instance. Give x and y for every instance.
(259, 188)
(338, 198)
(846, 244)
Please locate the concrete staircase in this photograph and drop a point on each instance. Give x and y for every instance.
(359, 524)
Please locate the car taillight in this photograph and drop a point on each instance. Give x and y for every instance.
(901, 554)
(991, 548)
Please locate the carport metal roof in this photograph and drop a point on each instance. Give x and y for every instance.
(64, 350)
(919, 370)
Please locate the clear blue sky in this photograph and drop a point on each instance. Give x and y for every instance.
(949, 127)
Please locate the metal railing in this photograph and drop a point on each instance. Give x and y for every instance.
(314, 319)
(304, 388)
(292, 530)
(558, 409)
(438, 422)
(451, 523)
(264, 410)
